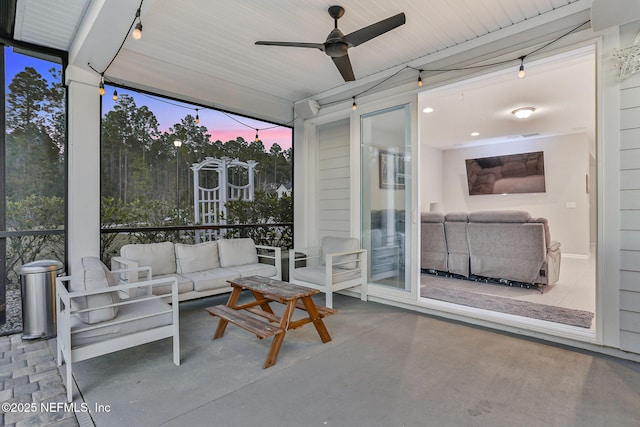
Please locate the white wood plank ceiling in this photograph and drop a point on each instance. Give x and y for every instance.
(204, 50)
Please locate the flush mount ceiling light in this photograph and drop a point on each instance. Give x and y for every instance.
(524, 112)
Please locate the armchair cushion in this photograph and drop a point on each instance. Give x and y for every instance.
(200, 257)
(159, 256)
(235, 252)
(95, 276)
(147, 314)
(317, 274)
(332, 245)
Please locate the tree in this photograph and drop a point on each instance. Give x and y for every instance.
(28, 92)
(35, 135)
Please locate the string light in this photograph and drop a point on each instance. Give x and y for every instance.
(521, 70)
(137, 32)
(101, 88)
(354, 106)
(197, 117)
(257, 138)
(419, 78)
(115, 95)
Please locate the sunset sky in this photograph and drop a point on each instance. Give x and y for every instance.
(221, 126)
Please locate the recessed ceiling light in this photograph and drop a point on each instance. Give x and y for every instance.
(428, 110)
(475, 133)
(523, 113)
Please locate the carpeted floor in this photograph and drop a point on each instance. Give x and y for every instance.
(550, 313)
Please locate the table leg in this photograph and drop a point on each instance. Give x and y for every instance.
(258, 296)
(222, 323)
(310, 306)
(278, 339)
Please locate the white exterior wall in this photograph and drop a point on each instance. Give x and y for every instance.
(333, 179)
(618, 193)
(629, 153)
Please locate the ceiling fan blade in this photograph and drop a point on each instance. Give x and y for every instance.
(293, 44)
(344, 66)
(374, 30)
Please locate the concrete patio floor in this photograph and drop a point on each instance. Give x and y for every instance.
(384, 367)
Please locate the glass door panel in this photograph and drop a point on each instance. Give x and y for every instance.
(386, 195)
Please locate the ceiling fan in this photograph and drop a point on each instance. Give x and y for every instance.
(337, 44)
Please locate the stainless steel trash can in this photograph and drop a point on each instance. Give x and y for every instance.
(38, 281)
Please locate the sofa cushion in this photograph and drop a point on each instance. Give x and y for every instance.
(95, 275)
(184, 285)
(457, 216)
(432, 217)
(256, 269)
(332, 245)
(211, 279)
(499, 216)
(160, 257)
(200, 257)
(237, 252)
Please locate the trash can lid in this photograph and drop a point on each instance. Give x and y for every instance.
(41, 266)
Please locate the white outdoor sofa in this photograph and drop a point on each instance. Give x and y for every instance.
(337, 264)
(97, 316)
(202, 269)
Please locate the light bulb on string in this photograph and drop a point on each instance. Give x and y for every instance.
(354, 106)
(197, 117)
(101, 88)
(115, 95)
(420, 79)
(257, 138)
(137, 32)
(521, 72)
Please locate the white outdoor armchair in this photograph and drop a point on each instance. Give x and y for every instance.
(338, 264)
(95, 315)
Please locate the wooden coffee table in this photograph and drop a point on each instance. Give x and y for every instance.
(258, 317)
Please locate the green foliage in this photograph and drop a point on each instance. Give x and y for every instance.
(265, 208)
(34, 213)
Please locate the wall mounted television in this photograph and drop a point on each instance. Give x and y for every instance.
(508, 174)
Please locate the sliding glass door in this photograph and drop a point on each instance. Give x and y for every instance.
(386, 195)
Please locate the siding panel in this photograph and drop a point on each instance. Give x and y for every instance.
(630, 240)
(630, 341)
(630, 118)
(630, 199)
(629, 98)
(334, 179)
(630, 220)
(630, 179)
(630, 281)
(629, 321)
(630, 301)
(630, 260)
(630, 159)
(630, 139)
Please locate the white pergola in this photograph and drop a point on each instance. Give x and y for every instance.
(210, 204)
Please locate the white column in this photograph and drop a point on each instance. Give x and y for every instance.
(83, 156)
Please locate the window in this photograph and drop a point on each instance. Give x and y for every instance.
(150, 150)
(33, 143)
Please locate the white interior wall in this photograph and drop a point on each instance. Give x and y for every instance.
(565, 203)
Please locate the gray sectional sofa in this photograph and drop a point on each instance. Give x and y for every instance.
(505, 245)
(202, 269)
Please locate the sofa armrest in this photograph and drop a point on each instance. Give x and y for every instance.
(554, 246)
(274, 254)
(125, 266)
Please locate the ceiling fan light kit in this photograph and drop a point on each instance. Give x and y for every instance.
(337, 44)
